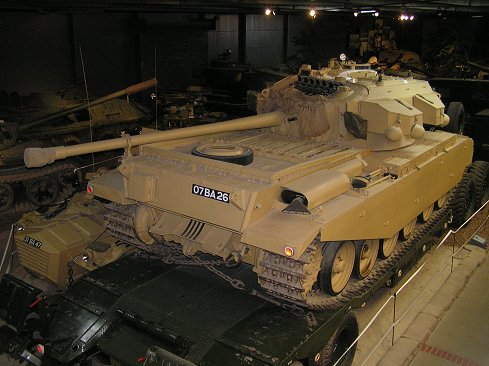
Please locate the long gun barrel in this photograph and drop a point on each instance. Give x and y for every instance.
(37, 157)
(133, 89)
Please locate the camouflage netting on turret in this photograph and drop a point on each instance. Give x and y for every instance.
(317, 116)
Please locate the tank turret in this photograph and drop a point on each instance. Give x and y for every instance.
(329, 180)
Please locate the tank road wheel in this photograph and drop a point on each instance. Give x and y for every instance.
(463, 200)
(456, 113)
(6, 197)
(387, 246)
(480, 173)
(426, 214)
(441, 201)
(408, 230)
(366, 252)
(336, 266)
(342, 338)
(42, 191)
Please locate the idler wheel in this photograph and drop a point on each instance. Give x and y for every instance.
(225, 152)
(426, 214)
(42, 191)
(408, 230)
(387, 246)
(6, 196)
(365, 255)
(336, 266)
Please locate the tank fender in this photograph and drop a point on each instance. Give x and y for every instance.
(277, 231)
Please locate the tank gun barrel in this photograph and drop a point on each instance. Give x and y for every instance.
(37, 157)
(133, 89)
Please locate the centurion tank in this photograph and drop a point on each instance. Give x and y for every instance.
(315, 193)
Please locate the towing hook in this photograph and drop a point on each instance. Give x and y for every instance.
(233, 260)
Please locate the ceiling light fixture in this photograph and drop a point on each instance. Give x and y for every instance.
(312, 13)
(374, 12)
(269, 11)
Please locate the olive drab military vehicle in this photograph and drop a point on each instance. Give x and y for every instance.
(69, 121)
(315, 192)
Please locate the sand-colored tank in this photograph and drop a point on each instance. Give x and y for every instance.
(314, 192)
(60, 121)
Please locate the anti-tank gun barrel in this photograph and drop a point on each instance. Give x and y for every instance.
(37, 157)
(133, 89)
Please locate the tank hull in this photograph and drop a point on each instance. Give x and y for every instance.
(309, 197)
(253, 212)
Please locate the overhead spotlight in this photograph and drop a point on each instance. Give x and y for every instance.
(406, 16)
(376, 14)
(312, 13)
(269, 11)
(355, 14)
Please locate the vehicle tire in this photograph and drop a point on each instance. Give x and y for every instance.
(462, 202)
(340, 256)
(343, 337)
(7, 197)
(225, 152)
(480, 172)
(456, 113)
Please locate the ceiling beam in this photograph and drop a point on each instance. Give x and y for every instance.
(241, 6)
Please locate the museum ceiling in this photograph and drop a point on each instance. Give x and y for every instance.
(244, 6)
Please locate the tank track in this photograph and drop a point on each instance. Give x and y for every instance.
(283, 278)
(14, 176)
(120, 226)
(22, 174)
(287, 279)
(119, 223)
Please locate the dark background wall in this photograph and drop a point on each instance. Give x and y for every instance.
(35, 51)
(43, 51)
